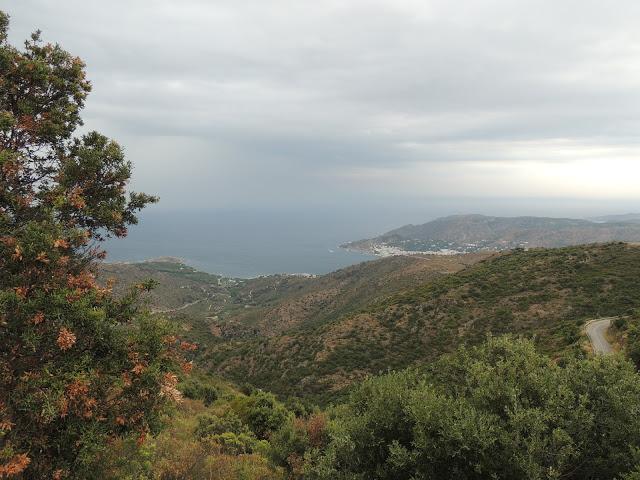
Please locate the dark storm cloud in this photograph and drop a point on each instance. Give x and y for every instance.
(316, 98)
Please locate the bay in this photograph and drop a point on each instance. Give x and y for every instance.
(245, 244)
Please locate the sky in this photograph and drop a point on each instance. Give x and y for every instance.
(493, 106)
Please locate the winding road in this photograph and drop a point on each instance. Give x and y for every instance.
(597, 332)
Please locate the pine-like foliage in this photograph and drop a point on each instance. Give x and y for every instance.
(78, 367)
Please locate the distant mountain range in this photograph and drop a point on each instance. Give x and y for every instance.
(627, 217)
(474, 233)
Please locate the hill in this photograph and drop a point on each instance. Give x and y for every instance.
(194, 299)
(327, 297)
(542, 293)
(213, 309)
(626, 217)
(177, 283)
(473, 233)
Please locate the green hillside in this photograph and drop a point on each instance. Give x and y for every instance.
(213, 309)
(318, 300)
(546, 294)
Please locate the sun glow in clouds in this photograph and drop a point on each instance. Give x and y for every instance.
(556, 168)
(335, 101)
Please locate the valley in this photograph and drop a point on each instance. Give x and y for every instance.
(315, 337)
(211, 308)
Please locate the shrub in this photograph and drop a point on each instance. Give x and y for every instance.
(262, 412)
(620, 323)
(209, 424)
(501, 410)
(197, 390)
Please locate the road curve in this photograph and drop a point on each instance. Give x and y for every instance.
(597, 333)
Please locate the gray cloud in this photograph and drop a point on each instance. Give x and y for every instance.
(392, 98)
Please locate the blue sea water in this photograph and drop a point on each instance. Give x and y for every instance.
(246, 244)
(251, 242)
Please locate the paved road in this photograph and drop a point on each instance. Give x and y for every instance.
(597, 332)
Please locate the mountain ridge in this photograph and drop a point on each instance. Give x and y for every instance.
(474, 232)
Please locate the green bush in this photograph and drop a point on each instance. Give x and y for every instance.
(209, 424)
(620, 323)
(262, 412)
(633, 343)
(231, 443)
(500, 410)
(197, 390)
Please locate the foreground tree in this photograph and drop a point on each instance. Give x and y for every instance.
(500, 410)
(78, 367)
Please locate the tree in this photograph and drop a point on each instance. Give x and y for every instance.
(78, 367)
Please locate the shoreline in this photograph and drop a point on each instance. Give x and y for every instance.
(383, 251)
(184, 262)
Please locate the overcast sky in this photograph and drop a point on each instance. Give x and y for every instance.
(268, 103)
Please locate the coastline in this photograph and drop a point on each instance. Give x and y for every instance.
(185, 263)
(382, 251)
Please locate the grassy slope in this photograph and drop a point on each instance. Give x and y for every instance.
(546, 293)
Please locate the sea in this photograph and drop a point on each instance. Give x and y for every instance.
(246, 244)
(251, 241)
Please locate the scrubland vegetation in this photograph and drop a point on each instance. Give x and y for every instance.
(499, 410)
(544, 294)
(405, 376)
